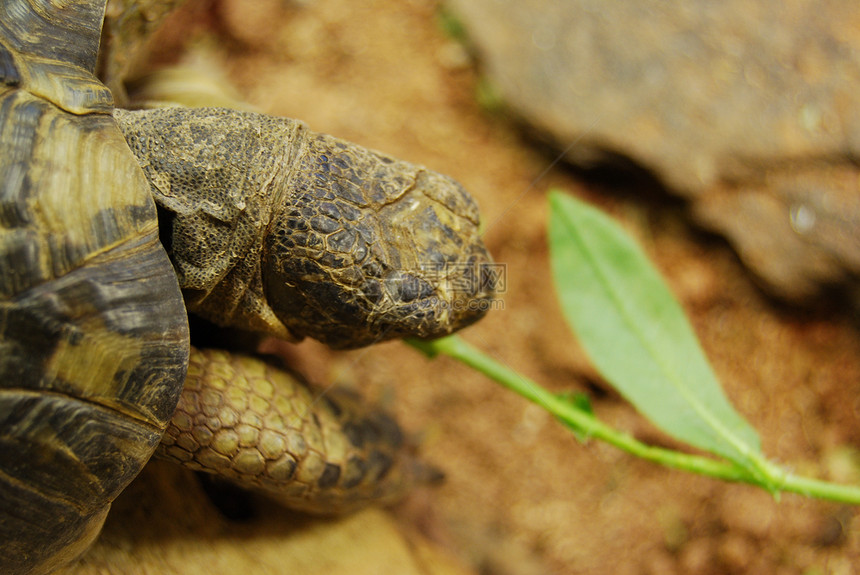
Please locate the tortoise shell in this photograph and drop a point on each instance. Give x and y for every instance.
(94, 336)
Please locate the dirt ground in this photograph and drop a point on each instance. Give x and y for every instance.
(522, 496)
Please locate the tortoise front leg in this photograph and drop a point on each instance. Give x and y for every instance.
(262, 428)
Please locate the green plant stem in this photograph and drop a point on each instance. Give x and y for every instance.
(769, 475)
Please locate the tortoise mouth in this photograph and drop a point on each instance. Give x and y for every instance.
(429, 301)
(433, 301)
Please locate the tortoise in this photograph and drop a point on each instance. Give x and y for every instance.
(115, 224)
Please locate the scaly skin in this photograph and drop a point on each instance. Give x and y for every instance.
(263, 428)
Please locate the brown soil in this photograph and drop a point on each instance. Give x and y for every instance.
(522, 496)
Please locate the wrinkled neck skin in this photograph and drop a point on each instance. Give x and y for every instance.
(276, 229)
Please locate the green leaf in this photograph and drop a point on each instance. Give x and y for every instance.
(637, 335)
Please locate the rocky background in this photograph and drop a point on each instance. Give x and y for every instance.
(724, 136)
(749, 112)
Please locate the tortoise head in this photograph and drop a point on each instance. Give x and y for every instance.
(368, 248)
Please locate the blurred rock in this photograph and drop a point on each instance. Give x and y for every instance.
(751, 111)
(797, 228)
